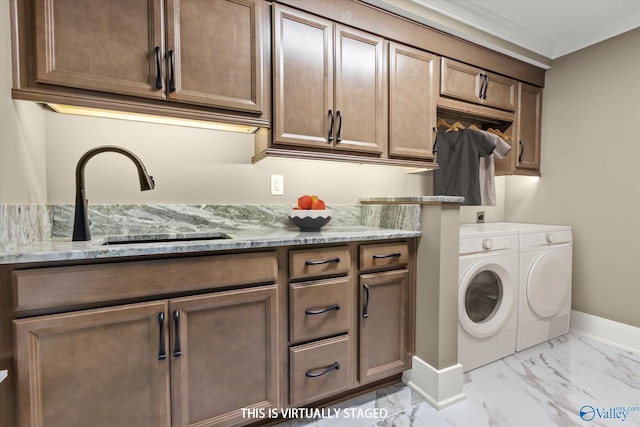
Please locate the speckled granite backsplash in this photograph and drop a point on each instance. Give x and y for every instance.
(401, 217)
(22, 224)
(144, 219)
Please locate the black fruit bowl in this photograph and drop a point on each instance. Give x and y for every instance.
(310, 220)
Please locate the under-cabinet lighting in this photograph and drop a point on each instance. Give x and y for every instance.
(148, 118)
(417, 170)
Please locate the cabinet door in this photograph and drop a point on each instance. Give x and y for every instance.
(223, 356)
(384, 321)
(101, 367)
(303, 79)
(529, 126)
(359, 121)
(469, 83)
(215, 53)
(112, 47)
(412, 102)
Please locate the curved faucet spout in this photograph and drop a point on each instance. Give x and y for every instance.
(81, 231)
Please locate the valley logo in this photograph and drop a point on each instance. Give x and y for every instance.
(620, 413)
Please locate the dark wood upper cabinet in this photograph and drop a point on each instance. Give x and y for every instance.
(206, 57)
(524, 157)
(303, 78)
(529, 127)
(214, 53)
(328, 84)
(108, 47)
(412, 101)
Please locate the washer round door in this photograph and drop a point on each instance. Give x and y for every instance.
(548, 283)
(486, 298)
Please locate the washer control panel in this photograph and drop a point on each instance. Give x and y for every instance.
(471, 245)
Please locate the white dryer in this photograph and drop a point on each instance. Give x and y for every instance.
(545, 290)
(487, 296)
(545, 279)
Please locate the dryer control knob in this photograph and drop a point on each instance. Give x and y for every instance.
(487, 244)
(550, 238)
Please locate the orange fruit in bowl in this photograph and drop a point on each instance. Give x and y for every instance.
(305, 202)
(317, 204)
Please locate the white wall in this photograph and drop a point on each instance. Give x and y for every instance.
(200, 166)
(22, 134)
(590, 176)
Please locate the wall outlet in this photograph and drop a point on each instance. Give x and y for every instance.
(277, 185)
(480, 217)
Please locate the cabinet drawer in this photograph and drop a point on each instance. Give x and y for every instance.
(318, 309)
(385, 255)
(319, 369)
(44, 288)
(468, 83)
(308, 263)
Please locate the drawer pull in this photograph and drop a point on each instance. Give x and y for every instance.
(177, 352)
(162, 352)
(311, 374)
(327, 261)
(393, 255)
(365, 310)
(323, 310)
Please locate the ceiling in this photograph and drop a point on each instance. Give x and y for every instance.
(549, 28)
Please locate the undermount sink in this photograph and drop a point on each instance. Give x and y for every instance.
(162, 238)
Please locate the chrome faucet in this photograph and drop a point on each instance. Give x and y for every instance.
(81, 222)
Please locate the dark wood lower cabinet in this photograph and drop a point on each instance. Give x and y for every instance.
(384, 322)
(289, 331)
(117, 366)
(98, 367)
(228, 356)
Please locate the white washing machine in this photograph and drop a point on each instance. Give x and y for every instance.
(545, 278)
(487, 296)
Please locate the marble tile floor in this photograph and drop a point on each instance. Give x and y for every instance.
(548, 385)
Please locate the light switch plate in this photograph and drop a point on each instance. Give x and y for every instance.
(277, 185)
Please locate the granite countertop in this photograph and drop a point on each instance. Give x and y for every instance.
(248, 226)
(63, 249)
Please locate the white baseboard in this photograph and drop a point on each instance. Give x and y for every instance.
(608, 331)
(441, 388)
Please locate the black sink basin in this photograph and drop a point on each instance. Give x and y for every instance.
(162, 238)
